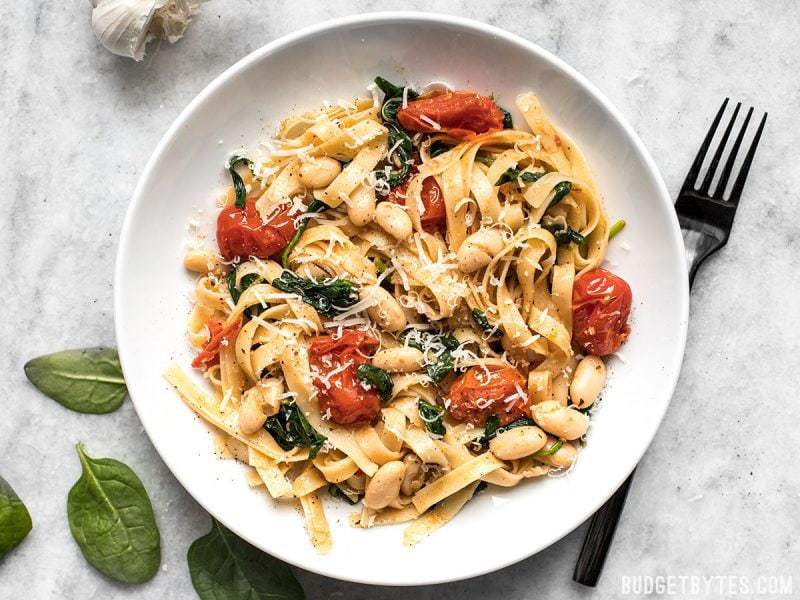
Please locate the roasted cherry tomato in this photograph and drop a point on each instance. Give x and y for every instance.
(341, 395)
(242, 233)
(434, 218)
(476, 395)
(209, 355)
(460, 115)
(601, 303)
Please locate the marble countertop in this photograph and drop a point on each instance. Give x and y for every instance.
(717, 493)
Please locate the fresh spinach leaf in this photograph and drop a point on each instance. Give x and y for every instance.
(86, 381)
(291, 429)
(431, 415)
(225, 567)
(15, 520)
(315, 206)
(238, 184)
(551, 450)
(564, 235)
(111, 519)
(560, 192)
(337, 492)
(515, 175)
(377, 378)
(329, 297)
(492, 428)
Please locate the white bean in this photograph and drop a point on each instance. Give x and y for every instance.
(318, 173)
(386, 312)
(561, 458)
(402, 359)
(517, 443)
(361, 207)
(200, 261)
(588, 380)
(384, 486)
(562, 421)
(478, 249)
(393, 220)
(413, 477)
(259, 402)
(358, 481)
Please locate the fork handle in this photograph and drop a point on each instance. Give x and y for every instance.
(603, 524)
(599, 535)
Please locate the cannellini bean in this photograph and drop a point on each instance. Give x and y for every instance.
(200, 261)
(386, 312)
(358, 481)
(318, 173)
(361, 207)
(561, 458)
(478, 249)
(412, 479)
(393, 220)
(402, 359)
(562, 421)
(259, 402)
(588, 380)
(384, 486)
(559, 389)
(517, 443)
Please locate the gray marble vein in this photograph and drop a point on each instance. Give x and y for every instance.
(718, 491)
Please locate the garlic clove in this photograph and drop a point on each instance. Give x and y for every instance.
(172, 18)
(125, 26)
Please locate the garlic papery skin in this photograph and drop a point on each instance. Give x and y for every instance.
(125, 26)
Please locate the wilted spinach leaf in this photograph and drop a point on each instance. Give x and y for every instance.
(431, 415)
(291, 429)
(329, 297)
(377, 378)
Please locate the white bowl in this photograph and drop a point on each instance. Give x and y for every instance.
(337, 59)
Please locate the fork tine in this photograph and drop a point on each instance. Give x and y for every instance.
(694, 171)
(726, 171)
(738, 185)
(712, 167)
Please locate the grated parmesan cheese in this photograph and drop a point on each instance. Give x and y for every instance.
(427, 120)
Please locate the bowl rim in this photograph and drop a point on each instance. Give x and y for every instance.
(388, 17)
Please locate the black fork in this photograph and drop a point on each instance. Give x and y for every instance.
(706, 220)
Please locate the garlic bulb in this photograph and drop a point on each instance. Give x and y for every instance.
(125, 26)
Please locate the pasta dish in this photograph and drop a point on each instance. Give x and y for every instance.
(404, 306)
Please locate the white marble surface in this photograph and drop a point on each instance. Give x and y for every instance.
(718, 491)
